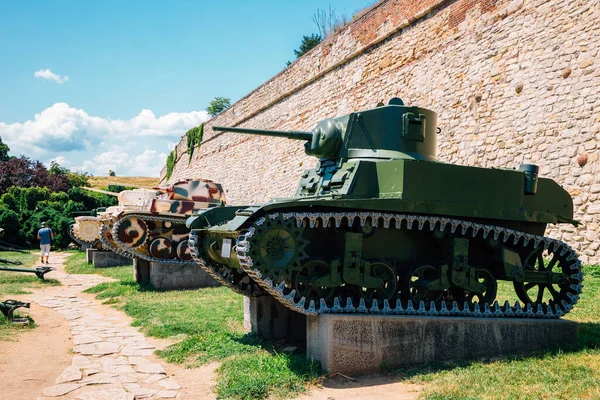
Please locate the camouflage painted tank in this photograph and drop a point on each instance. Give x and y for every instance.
(380, 226)
(86, 228)
(158, 232)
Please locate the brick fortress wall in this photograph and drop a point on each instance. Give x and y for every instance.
(512, 81)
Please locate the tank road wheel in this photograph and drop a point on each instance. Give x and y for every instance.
(538, 293)
(301, 281)
(277, 248)
(160, 247)
(133, 232)
(418, 282)
(383, 271)
(488, 295)
(183, 251)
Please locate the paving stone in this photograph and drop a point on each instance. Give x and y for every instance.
(106, 394)
(151, 368)
(118, 369)
(70, 374)
(61, 389)
(138, 360)
(102, 348)
(169, 384)
(154, 378)
(133, 352)
(128, 378)
(102, 376)
(115, 361)
(86, 339)
(143, 393)
(91, 371)
(166, 394)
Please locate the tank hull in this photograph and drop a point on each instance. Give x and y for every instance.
(417, 234)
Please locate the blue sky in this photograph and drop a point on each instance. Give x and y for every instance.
(118, 82)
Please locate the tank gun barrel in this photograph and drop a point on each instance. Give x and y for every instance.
(297, 135)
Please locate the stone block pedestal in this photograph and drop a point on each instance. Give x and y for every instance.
(89, 255)
(104, 259)
(271, 320)
(356, 344)
(172, 276)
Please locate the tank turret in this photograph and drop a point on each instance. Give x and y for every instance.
(386, 132)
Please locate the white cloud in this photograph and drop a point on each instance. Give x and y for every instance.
(47, 74)
(77, 140)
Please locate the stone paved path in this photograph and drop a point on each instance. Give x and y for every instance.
(111, 359)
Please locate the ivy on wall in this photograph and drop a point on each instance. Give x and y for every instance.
(171, 160)
(194, 139)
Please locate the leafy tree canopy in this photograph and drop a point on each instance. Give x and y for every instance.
(4, 149)
(218, 105)
(307, 44)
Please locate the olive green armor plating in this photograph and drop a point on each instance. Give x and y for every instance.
(380, 226)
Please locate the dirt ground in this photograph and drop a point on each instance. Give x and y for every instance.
(35, 358)
(371, 387)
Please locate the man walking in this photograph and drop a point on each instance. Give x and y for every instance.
(45, 236)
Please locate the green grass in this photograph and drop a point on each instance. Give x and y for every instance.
(570, 373)
(77, 264)
(208, 326)
(19, 283)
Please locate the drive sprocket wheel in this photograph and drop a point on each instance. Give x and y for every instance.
(277, 247)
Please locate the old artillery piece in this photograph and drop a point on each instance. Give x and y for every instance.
(379, 226)
(8, 307)
(38, 271)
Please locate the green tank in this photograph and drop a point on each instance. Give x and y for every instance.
(380, 226)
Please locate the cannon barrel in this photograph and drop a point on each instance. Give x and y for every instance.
(297, 135)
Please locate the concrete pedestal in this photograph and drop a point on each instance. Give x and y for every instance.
(89, 254)
(356, 344)
(271, 320)
(172, 276)
(104, 259)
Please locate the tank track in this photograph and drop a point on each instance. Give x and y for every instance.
(107, 245)
(79, 241)
(419, 222)
(242, 285)
(73, 237)
(132, 253)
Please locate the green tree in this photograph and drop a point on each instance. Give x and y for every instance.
(111, 173)
(78, 179)
(56, 169)
(218, 105)
(308, 43)
(4, 149)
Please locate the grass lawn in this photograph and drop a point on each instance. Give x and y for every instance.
(208, 324)
(570, 373)
(18, 283)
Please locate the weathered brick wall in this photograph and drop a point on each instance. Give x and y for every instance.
(513, 81)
